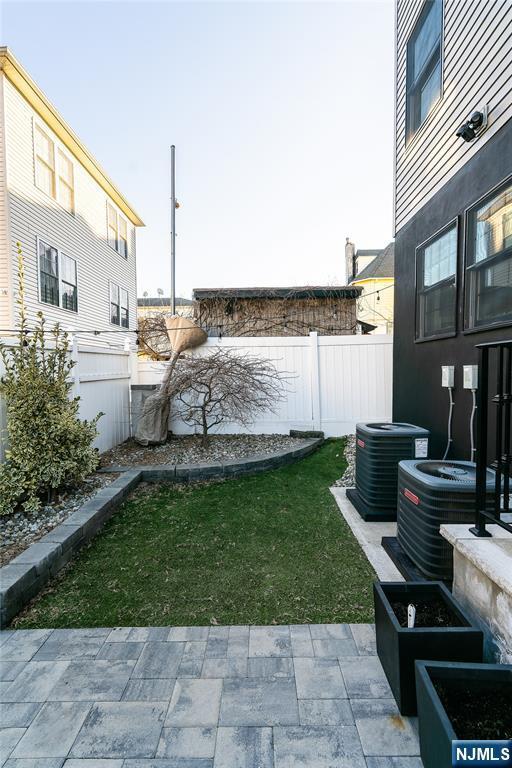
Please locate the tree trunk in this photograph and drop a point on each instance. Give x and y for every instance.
(204, 440)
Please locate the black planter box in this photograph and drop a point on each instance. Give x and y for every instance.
(435, 728)
(398, 647)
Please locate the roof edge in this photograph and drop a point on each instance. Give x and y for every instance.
(22, 81)
(316, 291)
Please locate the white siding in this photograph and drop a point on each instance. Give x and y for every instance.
(5, 283)
(81, 236)
(477, 70)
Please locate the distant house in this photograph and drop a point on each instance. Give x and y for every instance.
(328, 310)
(76, 229)
(373, 271)
(161, 305)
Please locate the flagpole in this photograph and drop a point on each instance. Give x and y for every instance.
(173, 230)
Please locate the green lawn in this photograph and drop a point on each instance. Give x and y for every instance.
(271, 548)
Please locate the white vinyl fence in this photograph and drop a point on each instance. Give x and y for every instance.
(102, 378)
(336, 381)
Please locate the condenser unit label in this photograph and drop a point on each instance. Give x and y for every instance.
(421, 448)
(360, 443)
(411, 496)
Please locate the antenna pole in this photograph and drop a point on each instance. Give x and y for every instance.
(173, 230)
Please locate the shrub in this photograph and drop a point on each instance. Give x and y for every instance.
(49, 445)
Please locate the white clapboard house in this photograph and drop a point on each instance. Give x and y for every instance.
(76, 229)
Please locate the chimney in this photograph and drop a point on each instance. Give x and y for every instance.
(350, 260)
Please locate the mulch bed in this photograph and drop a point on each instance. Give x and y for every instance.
(19, 530)
(189, 449)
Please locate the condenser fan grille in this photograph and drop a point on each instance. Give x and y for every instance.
(449, 471)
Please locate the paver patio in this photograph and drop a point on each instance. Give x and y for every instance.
(308, 696)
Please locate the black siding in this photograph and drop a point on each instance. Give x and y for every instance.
(417, 394)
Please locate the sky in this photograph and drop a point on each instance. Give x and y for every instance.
(281, 113)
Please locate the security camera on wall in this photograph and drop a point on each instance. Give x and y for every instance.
(472, 127)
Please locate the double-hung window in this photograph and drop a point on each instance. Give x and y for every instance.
(119, 314)
(66, 186)
(424, 65)
(488, 299)
(54, 173)
(45, 162)
(57, 278)
(436, 297)
(117, 231)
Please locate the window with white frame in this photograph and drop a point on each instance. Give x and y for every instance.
(66, 186)
(119, 314)
(44, 162)
(117, 231)
(54, 173)
(424, 65)
(488, 298)
(436, 292)
(57, 277)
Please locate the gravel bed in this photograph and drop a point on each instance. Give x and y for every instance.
(21, 529)
(348, 479)
(188, 449)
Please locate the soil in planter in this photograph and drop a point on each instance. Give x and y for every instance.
(429, 613)
(477, 713)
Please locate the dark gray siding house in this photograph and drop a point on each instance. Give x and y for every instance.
(453, 202)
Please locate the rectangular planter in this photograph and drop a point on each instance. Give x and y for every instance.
(399, 647)
(435, 728)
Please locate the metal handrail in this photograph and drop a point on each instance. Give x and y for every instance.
(502, 464)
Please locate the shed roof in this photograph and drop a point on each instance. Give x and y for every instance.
(296, 292)
(162, 301)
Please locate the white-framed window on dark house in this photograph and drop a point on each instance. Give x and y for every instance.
(488, 299)
(119, 314)
(424, 65)
(117, 231)
(57, 277)
(436, 289)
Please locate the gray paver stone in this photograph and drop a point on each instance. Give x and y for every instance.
(219, 668)
(244, 748)
(159, 660)
(270, 641)
(365, 678)
(53, 730)
(120, 730)
(325, 712)
(22, 644)
(321, 747)
(194, 703)
(255, 701)
(187, 742)
(319, 679)
(149, 689)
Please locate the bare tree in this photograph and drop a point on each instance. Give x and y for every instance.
(225, 387)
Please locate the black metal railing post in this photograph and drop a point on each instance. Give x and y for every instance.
(503, 461)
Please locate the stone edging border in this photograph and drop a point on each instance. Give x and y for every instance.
(26, 575)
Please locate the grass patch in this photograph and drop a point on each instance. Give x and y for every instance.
(272, 548)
